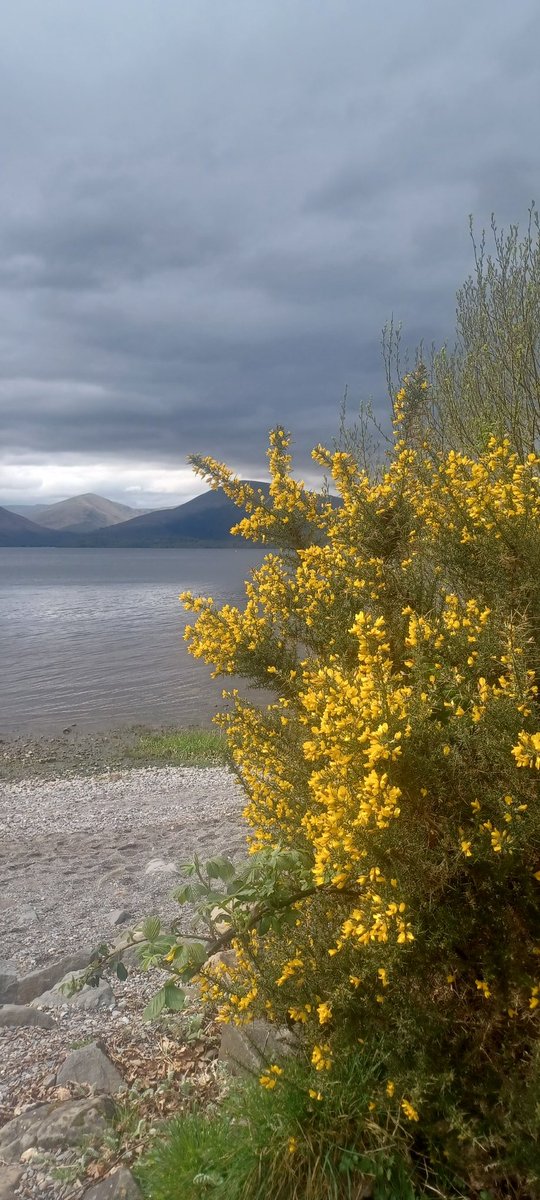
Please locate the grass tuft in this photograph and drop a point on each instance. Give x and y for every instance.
(282, 1145)
(182, 747)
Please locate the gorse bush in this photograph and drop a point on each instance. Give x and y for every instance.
(393, 776)
(400, 758)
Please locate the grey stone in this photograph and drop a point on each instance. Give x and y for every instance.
(247, 1049)
(9, 1178)
(119, 916)
(120, 1186)
(27, 915)
(90, 1064)
(19, 1014)
(223, 958)
(158, 866)
(37, 982)
(48, 1126)
(90, 999)
(8, 981)
(130, 955)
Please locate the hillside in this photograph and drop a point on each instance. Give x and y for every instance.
(205, 520)
(83, 514)
(19, 531)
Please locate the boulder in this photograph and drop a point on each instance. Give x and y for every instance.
(37, 982)
(119, 916)
(158, 866)
(248, 1049)
(19, 1014)
(90, 1064)
(8, 981)
(50, 1126)
(9, 1178)
(120, 1186)
(89, 998)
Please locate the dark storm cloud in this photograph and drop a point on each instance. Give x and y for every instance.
(208, 211)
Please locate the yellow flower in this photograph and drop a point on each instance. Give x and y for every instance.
(321, 1057)
(325, 1013)
(409, 1111)
(390, 1088)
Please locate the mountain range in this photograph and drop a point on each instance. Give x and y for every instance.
(79, 514)
(203, 521)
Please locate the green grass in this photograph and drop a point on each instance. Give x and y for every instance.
(182, 747)
(281, 1145)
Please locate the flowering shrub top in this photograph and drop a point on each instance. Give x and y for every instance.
(398, 631)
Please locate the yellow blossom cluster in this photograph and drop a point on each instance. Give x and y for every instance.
(398, 634)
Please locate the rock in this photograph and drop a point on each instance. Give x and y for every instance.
(49, 1126)
(119, 916)
(27, 915)
(223, 958)
(158, 866)
(90, 1064)
(247, 1049)
(89, 998)
(8, 981)
(120, 1186)
(9, 1178)
(40, 981)
(19, 1014)
(131, 958)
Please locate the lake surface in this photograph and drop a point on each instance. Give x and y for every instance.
(94, 637)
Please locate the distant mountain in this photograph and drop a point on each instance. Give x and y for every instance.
(31, 511)
(83, 514)
(19, 531)
(204, 521)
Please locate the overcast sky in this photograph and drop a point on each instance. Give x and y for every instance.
(209, 208)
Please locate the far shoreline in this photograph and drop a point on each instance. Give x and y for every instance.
(75, 752)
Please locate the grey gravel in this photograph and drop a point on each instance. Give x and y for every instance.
(75, 852)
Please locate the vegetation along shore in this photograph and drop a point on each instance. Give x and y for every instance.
(72, 752)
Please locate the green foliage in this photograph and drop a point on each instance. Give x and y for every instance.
(390, 906)
(490, 384)
(286, 1145)
(182, 747)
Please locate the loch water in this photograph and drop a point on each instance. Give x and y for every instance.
(93, 637)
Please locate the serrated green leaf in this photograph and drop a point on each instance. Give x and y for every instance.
(197, 954)
(151, 928)
(220, 868)
(175, 997)
(121, 971)
(184, 894)
(156, 1005)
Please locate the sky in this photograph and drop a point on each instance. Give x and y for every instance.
(209, 210)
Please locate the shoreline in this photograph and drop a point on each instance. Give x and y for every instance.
(74, 752)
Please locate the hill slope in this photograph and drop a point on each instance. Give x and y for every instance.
(205, 520)
(19, 531)
(83, 514)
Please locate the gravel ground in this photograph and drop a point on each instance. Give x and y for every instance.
(72, 851)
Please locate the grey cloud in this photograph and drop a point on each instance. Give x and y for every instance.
(208, 212)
